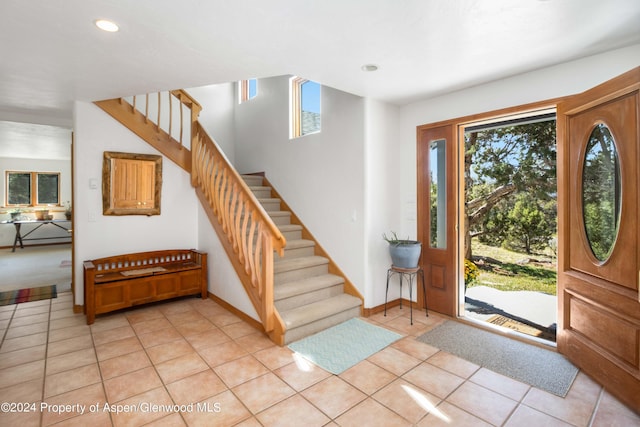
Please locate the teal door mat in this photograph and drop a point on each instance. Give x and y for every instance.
(342, 346)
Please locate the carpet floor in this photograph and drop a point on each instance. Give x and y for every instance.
(541, 368)
(35, 266)
(28, 294)
(342, 346)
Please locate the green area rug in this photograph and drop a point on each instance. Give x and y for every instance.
(28, 294)
(541, 368)
(342, 346)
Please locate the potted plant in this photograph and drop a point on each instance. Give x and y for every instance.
(15, 213)
(404, 253)
(67, 212)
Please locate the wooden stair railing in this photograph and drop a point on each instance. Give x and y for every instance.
(251, 236)
(246, 231)
(160, 119)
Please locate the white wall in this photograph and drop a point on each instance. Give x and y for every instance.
(217, 115)
(320, 176)
(96, 235)
(7, 232)
(223, 280)
(383, 214)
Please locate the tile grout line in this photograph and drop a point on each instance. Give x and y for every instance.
(6, 331)
(595, 407)
(46, 357)
(104, 391)
(164, 385)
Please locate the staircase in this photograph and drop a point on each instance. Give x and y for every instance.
(308, 298)
(296, 294)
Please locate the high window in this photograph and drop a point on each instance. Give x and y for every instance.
(32, 188)
(248, 89)
(305, 107)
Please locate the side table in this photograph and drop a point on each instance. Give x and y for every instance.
(410, 274)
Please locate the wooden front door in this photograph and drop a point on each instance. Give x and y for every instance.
(437, 211)
(599, 237)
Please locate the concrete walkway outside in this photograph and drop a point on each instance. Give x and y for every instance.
(538, 308)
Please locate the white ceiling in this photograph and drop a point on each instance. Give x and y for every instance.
(52, 54)
(33, 141)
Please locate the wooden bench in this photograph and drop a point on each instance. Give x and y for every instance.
(123, 281)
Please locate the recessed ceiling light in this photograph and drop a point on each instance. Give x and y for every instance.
(369, 67)
(106, 25)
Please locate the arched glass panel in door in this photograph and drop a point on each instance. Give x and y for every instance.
(601, 192)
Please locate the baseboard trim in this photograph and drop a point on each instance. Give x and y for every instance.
(250, 320)
(367, 312)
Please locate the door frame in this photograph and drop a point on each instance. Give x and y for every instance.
(455, 127)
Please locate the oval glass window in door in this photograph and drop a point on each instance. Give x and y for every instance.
(601, 192)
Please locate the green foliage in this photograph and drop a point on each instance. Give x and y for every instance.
(497, 223)
(47, 188)
(523, 158)
(601, 230)
(433, 212)
(522, 155)
(529, 227)
(19, 186)
(601, 192)
(394, 239)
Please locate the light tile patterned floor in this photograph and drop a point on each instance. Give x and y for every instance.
(195, 355)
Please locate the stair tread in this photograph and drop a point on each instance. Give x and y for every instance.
(309, 284)
(279, 213)
(289, 227)
(283, 264)
(310, 313)
(299, 243)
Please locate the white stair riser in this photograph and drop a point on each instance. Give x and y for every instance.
(292, 235)
(270, 204)
(281, 219)
(253, 181)
(311, 328)
(299, 252)
(309, 297)
(302, 273)
(263, 193)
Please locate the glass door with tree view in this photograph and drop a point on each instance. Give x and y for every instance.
(510, 223)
